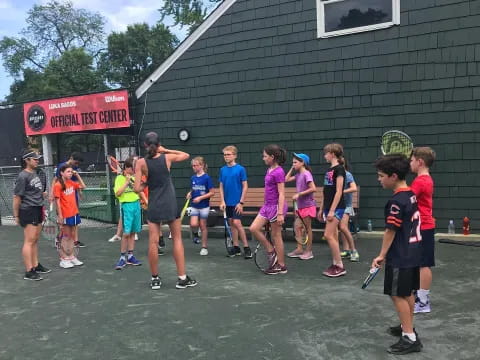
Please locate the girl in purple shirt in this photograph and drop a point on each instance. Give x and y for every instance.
(307, 207)
(274, 209)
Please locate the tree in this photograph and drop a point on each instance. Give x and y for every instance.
(133, 55)
(52, 29)
(72, 73)
(357, 18)
(189, 13)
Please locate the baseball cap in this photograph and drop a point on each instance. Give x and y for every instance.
(304, 157)
(31, 154)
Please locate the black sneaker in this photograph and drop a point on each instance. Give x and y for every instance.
(161, 252)
(32, 275)
(237, 251)
(155, 283)
(247, 252)
(405, 346)
(161, 242)
(188, 282)
(79, 244)
(42, 269)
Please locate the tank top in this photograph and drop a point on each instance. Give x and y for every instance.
(162, 202)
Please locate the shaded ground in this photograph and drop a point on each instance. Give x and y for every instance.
(235, 312)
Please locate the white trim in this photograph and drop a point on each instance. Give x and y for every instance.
(321, 21)
(184, 46)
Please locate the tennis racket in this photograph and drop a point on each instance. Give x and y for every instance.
(396, 142)
(49, 227)
(228, 236)
(371, 275)
(184, 209)
(65, 247)
(260, 256)
(300, 239)
(114, 165)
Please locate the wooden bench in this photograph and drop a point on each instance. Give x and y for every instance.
(255, 196)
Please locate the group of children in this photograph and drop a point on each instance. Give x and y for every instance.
(408, 243)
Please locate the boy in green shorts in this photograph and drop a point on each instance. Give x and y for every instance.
(400, 250)
(130, 213)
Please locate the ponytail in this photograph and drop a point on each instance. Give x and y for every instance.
(279, 154)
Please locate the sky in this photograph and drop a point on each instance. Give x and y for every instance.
(118, 15)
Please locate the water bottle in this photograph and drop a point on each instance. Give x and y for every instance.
(369, 225)
(451, 227)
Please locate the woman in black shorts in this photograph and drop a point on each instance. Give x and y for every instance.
(162, 206)
(28, 212)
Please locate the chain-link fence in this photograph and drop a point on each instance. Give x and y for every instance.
(97, 202)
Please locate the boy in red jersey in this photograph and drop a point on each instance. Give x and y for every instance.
(420, 162)
(400, 250)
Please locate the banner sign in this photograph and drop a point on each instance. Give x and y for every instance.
(78, 113)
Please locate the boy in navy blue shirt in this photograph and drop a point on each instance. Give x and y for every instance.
(400, 249)
(233, 189)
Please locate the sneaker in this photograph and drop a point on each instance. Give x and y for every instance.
(32, 275)
(136, 237)
(247, 252)
(405, 346)
(276, 269)
(42, 269)
(294, 254)
(345, 254)
(237, 251)
(155, 283)
(354, 256)
(76, 262)
(120, 264)
(114, 238)
(204, 251)
(335, 271)
(133, 261)
(421, 307)
(307, 255)
(196, 240)
(79, 244)
(188, 282)
(161, 252)
(66, 264)
(161, 242)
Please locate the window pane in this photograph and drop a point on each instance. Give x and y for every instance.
(355, 13)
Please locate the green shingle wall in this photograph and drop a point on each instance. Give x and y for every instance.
(260, 75)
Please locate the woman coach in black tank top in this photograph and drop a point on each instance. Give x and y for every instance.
(162, 206)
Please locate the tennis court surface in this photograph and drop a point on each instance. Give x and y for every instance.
(96, 312)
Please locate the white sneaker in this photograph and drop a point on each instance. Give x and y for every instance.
(66, 264)
(204, 251)
(136, 237)
(74, 261)
(114, 238)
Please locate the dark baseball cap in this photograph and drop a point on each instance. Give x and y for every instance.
(31, 154)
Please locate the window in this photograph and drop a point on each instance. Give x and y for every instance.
(342, 17)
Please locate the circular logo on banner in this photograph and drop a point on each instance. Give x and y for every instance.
(36, 118)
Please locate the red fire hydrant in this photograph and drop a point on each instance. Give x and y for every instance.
(466, 226)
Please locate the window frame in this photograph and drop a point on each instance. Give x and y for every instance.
(321, 21)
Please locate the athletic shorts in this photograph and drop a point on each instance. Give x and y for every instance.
(310, 211)
(338, 213)
(32, 215)
(72, 220)
(401, 281)
(131, 217)
(427, 246)
(231, 213)
(349, 211)
(201, 213)
(270, 212)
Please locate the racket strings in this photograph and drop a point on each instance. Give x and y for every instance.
(396, 143)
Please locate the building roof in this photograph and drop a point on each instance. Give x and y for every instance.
(184, 46)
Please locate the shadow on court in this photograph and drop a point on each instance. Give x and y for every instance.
(236, 312)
